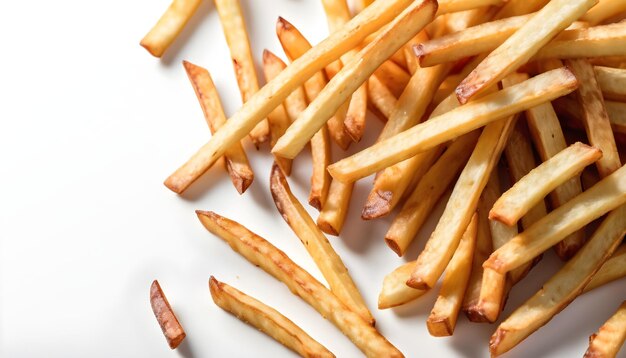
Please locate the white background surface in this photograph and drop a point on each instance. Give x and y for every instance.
(91, 124)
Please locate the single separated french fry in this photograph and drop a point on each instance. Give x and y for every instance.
(522, 45)
(537, 184)
(442, 319)
(266, 319)
(333, 214)
(609, 339)
(234, 25)
(562, 288)
(603, 197)
(169, 26)
(263, 254)
(427, 193)
(395, 292)
(604, 10)
(448, 6)
(275, 92)
(612, 81)
(354, 74)
(172, 330)
(235, 157)
(318, 246)
(528, 94)
(613, 269)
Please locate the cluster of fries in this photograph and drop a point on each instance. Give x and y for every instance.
(477, 96)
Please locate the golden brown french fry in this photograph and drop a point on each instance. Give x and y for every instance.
(266, 319)
(169, 26)
(275, 92)
(522, 45)
(235, 158)
(263, 254)
(610, 337)
(603, 197)
(604, 10)
(234, 25)
(357, 111)
(595, 117)
(612, 81)
(354, 74)
(393, 76)
(172, 330)
(520, 7)
(448, 6)
(381, 97)
(614, 268)
(442, 319)
(278, 119)
(534, 186)
(563, 287)
(333, 214)
(429, 190)
(395, 292)
(318, 246)
(530, 93)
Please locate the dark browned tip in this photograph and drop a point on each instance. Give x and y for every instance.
(282, 24)
(419, 50)
(378, 205)
(393, 245)
(267, 55)
(279, 189)
(326, 227)
(495, 340)
(475, 314)
(417, 284)
(315, 202)
(214, 285)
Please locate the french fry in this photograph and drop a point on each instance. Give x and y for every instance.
(275, 92)
(393, 76)
(266, 319)
(235, 158)
(530, 93)
(563, 287)
(318, 246)
(595, 117)
(520, 7)
(429, 190)
(357, 112)
(533, 187)
(261, 253)
(448, 6)
(353, 75)
(278, 119)
(172, 330)
(610, 337)
(381, 97)
(169, 26)
(333, 214)
(522, 45)
(442, 319)
(572, 110)
(234, 25)
(604, 10)
(603, 197)
(395, 292)
(360, 5)
(612, 81)
(614, 268)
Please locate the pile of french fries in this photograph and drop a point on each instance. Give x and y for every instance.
(517, 108)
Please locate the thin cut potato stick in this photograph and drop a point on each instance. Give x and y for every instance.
(278, 119)
(448, 6)
(169, 26)
(357, 112)
(443, 317)
(603, 197)
(613, 269)
(353, 75)
(563, 287)
(275, 92)
(612, 81)
(609, 339)
(318, 246)
(263, 254)
(232, 19)
(266, 319)
(520, 7)
(604, 10)
(235, 157)
(429, 190)
(172, 330)
(393, 76)
(533, 187)
(528, 94)
(522, 45)
(333, 214)
(595, 117)
(381, 97)
(395, 292)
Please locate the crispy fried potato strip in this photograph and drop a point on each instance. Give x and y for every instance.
(613, 269)
(604, 10)
(333, 214)
(610, 337)
(172, 330)
(395, 292)
(169, 26)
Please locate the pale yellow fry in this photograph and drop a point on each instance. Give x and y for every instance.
(169, 26)
(353, 75)
(429, 190)
(266, 319)
(597, 41)
(318, 246)
(595, 117)
(617, 115)
(234, 25)
(448, 6)
(275, 92)
(604, 10)
(381, 97)
(395, 292)
(443, 317)
(608, 341)
(613, 269)
(333, 214)
(235, 158)
(563, 287)
(263, 254)
(603, 197)
(522, 45)
(533, 187)
(612, 81)
(320, 178)
(530, 93)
